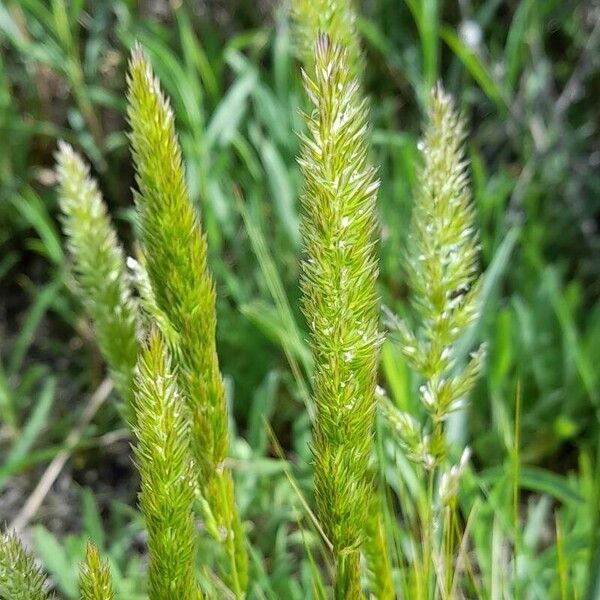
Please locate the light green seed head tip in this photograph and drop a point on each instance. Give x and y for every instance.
(20, 578)
(339, 296)
(334, 18)
(167, 488)
(444, 262)
(95, 582)
(99, 267)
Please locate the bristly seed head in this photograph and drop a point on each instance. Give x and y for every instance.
(443, 268)
(339, 295)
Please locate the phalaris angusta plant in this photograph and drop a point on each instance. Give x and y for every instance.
(161, 348)
(442, 262)
(162, 456)
(340, 301)
(95, 581)
(175, 253)
(100, 269)
(338, 20)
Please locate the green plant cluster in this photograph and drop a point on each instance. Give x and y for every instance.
(285, 443)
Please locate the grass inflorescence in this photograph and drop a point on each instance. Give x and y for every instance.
(184, 291)
(95, 581)
(100, 269)
(340, 301)
(284, 446)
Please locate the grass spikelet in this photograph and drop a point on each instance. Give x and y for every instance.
(340, 301)
(95, 581)
(443, 261)
(100, 269)
(167, 489)
(20, 578)
(175, 253)
(335, 18)
(176, 259)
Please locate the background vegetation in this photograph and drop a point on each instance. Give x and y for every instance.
(525, 74)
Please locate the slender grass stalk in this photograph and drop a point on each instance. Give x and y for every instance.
(427, 18)
(100, 269)
(175, 252)
(515, 452)
(95, 581)
(340, 302)
(335, 18)
(449, 538)
(167, 483)
(20, 578)
(561, 562)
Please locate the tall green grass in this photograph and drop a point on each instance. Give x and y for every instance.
(524, 520)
